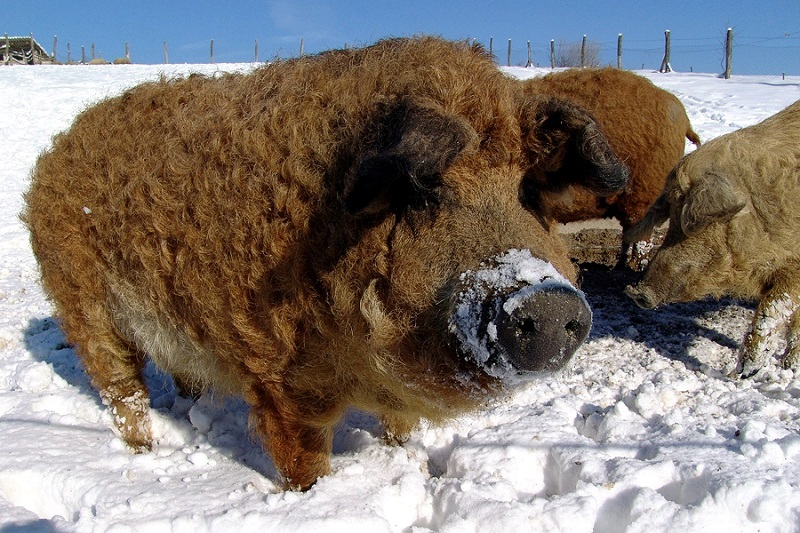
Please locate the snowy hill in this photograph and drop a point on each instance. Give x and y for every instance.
(644, 433)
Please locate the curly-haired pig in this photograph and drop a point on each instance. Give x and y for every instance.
(733, 207)
(345, 229)
(647, 128)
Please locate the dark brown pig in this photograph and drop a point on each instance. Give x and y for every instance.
(347, 229)
(734, 219)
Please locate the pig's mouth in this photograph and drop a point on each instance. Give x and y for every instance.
(517, 315)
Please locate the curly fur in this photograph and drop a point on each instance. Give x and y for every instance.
(646, 126)
(733, 226)
(250, 234)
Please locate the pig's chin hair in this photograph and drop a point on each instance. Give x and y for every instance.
(517, 378)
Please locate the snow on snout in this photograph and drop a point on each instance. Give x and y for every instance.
(503, 282)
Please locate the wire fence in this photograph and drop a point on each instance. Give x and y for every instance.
(775, 55)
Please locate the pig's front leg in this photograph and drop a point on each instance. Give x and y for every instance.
(791, 357)
(776, 311)
(299, 441)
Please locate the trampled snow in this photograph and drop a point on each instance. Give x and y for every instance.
(645, 433)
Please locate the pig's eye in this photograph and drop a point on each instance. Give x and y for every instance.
(529, 195)
(422, 198)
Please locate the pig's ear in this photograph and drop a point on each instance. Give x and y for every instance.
(712, 199)
(657, 214)
(413, 144)
(564, 146)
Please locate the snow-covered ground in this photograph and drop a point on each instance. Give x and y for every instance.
(643, 434)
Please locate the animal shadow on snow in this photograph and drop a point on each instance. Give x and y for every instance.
(34, 526)
(670, 330)
(222, 422)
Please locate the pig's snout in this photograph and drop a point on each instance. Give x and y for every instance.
(517, 314)
(643, 297)
(540, 330)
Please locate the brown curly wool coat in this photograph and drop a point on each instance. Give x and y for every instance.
(646, 126)
(290, 235)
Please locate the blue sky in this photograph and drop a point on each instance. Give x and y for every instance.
(766, 34)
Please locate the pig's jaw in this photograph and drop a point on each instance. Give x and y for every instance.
(488, 295)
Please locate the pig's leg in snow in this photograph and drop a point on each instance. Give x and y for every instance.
(776, 311)
(791, 357)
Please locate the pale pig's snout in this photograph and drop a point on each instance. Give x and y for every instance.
(643, 296)
(517, 314)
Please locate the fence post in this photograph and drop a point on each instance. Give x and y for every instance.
(728, 53)
(583, 51)
(8, 50)
(166, 55)
(255, 55)
(55, 43)
(33, 50)
(83, 55)
(529, 63)
(301, 46)
(619, 51)
(491, 46)
(552, 53)
(92, 50)
(508, 62)
(665, 65)
(127, 51)
(69, 54)
(212, 52)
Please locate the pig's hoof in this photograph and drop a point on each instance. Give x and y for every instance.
(748, 371)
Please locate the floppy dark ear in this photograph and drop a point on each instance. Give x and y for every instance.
(712, 199)
(565, 146)
(414, 143)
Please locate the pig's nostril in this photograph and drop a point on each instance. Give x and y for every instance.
(527, 326)
(574, 328)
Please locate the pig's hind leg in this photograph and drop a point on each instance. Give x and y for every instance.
(115, 367)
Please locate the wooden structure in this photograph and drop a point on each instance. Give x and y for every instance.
(22, 51)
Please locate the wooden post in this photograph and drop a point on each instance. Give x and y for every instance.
(212, 51)
(728, 53)
(69, 54)
(33, 52)
(491, 46)
(665, 64)
(255, 54)
(127, 51)
(8, 50)
(552, 53)
(509, 53)
(83, 55)
(301, 47)
(529, 63)
(166, 55)
(583, 51)
(55, 43)
(92, 50)
(619, 51)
